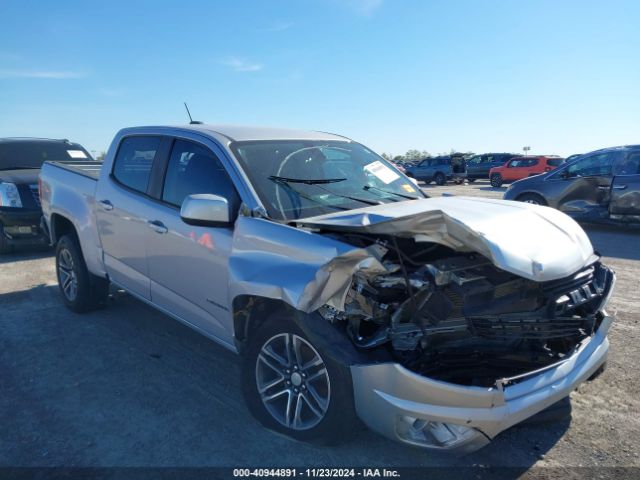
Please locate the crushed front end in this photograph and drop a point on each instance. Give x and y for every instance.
(472, 348)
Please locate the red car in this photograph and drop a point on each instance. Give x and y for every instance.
(523, 167)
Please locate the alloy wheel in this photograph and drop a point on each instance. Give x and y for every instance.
(67, 275)
(293, 381)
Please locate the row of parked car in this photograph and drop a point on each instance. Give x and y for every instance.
(499, 168)
(603, 185)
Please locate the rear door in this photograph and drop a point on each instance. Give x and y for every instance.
(533, 167)
(625, 190)
(586, 185)
(188, 264)
(122, 209)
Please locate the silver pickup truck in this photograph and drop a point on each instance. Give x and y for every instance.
(439, 322)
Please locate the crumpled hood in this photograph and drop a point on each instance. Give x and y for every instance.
(535, 242)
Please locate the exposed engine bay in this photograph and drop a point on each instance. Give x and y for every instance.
(456, 317)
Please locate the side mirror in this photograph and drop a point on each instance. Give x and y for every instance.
(564, 174)
(206, 210)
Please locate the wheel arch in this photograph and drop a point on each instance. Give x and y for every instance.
(59, 226)
(251, 311)
(518, 197)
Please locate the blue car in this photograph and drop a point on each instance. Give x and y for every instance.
(432, 169)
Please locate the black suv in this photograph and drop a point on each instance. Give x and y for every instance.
(479, 166)
(20, 162)
(599, 186)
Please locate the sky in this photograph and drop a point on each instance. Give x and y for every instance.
(562, 77)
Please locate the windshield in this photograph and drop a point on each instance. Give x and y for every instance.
(33, 153)
(297, 179)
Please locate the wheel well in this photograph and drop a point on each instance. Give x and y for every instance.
(60, 226)
(249, 311)
(530, 194)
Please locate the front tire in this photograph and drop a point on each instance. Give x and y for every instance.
(440, 179)
(532, 198)
(295, 388)
(496, 180)
(81, 291)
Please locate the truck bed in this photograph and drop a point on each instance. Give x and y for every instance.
(89, 169)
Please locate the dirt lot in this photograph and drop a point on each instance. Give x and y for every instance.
(127, 386)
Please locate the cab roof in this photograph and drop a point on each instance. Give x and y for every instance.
(241, 133)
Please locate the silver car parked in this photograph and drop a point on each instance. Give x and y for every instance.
(439, 322)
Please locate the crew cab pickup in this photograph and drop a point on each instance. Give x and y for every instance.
(439, 322)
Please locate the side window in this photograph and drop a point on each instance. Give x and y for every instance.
(195, 169)
(516, 163)
(132, 166)
(630, 165)
(532, 162)
(594, 165)
(488, 158)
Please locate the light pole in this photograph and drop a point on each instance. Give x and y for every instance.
(526, 150)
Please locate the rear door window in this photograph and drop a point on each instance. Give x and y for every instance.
(132, 166)
(630, 165)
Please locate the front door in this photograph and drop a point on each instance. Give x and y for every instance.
(188, 265)
(518, 168)
(586, 186)
(625, 190)
(122, 210)
(423, 170)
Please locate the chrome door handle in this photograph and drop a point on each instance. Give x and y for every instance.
(619, 187)
(106, 204)
(603, 187)
(157, 226)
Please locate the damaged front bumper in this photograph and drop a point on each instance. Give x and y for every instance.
(432, 414)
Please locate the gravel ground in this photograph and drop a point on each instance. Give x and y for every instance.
(127, 386)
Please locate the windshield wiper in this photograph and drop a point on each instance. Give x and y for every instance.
(408, 197)
(307, 181)
(318, 183)
(283, 181)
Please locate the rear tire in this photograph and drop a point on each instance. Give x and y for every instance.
(81, 291)
(4, 243)
(532, 198)
(496, 180)
(440, 179)
(319, 398)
